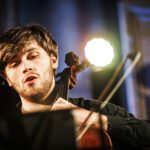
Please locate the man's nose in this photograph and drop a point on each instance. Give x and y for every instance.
(27, 66)
(26, 70)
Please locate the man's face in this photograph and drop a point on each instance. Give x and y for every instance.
(31, 72)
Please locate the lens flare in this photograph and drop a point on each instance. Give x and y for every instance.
(99, 52)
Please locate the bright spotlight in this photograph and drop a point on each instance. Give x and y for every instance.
(99, 52)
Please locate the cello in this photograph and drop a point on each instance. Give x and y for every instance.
(93, 138)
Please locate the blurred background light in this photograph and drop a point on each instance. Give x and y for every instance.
(99, 52)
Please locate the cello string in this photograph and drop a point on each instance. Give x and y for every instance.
(64, 85)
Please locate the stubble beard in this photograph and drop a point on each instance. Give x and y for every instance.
(37, 92)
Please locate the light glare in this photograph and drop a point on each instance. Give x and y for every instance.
(99, 52)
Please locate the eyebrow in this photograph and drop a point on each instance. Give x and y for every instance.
(27, 50)
(30, 49)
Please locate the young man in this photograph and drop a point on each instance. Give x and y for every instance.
(28, 61)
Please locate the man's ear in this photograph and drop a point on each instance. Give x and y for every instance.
(9, 83)
(6, 78)
(54, 61)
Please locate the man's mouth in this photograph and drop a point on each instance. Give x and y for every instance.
(30, 79)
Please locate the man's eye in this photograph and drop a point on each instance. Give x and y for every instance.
(33, 56)
(14, 64)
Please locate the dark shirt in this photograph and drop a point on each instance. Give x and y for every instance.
(126, 131)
